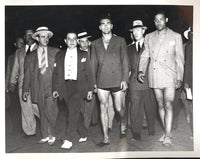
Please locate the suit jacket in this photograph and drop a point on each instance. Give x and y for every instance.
(188, 64)
(110, 66)
(9, 69)
(84, 74)
(134, 58)
(166, 59)
(18, 66)
(32, 71)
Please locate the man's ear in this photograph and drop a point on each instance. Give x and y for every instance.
(15, 44)
(65, 41)
(37, 38)
(166, 20)
(78, 41)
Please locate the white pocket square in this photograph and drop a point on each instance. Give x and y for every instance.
(83, 59)
(54, 65)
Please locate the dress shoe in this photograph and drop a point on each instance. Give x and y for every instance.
(44, 140)
(66, 144)
(136, 136)
(102, 144)
(52, 140)
(82, 139)
(151, 133)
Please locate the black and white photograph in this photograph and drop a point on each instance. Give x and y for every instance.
(101, 80)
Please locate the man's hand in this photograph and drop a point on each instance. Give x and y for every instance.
(123, 86)
(141, 76)
(95, 88)
(55, 94)
(89, 95)
(11, 87)
(186, 85)
(178, 84)
(25, 96)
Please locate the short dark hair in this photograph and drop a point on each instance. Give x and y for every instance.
(105, 16)
(160, 11)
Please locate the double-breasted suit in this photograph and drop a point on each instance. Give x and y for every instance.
(40, 87)
(166, 59)
(140, 95)
(28, 109)
(73, 91)
(110, 66)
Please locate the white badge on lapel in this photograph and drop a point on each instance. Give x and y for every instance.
(54, 65)
(171, 43)
(83, 59)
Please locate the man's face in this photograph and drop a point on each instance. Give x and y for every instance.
(105, 26)
(19, 43)
(28, 37)
(160, 21)
(84, 43)
(71, 40)
(138, 33)
(43, 39)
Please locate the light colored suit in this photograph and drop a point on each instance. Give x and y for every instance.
(166, 59)
(27, 108)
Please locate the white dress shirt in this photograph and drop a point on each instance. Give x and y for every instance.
(39, 52)
(71, 64)
(32, 46)
(141, 43)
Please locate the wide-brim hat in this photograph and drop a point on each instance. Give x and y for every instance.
(187, 32)
(136, 24)
(83, 35)
(42, 30)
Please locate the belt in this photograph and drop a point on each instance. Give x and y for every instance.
(70, 80)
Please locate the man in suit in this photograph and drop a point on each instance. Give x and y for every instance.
(28, 109)
(38, 70)
(141, 97)
(110, 72)
(164, 48)
(90, 107)
(12, 99)
(73, 82)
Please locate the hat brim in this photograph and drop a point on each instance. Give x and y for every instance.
(85, 37)
(34, 35)
(138, 26)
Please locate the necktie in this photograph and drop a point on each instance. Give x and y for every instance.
(139, 48)
(29, 50)
(43, 62)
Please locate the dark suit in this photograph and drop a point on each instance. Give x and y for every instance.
(110, 66)
(141, 97)
(40, 87)
(73, 92)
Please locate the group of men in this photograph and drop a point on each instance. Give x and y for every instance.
(117, 74)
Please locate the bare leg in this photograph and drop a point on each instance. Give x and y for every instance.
(169, 94)
(111, 112)
(119, 100)
(103, 96)
(159, 99)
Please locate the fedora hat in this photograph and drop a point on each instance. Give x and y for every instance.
(83, 35)
(42, 29)
(187, 32)
(136, 24)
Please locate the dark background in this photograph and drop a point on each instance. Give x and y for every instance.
(61, 19)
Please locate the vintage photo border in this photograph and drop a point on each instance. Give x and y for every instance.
(144, 154)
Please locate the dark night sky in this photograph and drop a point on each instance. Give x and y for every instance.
(61, 19)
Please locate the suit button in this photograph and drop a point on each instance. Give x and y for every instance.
(165, 60)
(155, 60)
(153, 68)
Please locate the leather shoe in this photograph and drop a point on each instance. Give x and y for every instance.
(136, 136)
(102, 144)
(82, 139)
(66, 144)
(44, 140)
(52, 140)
